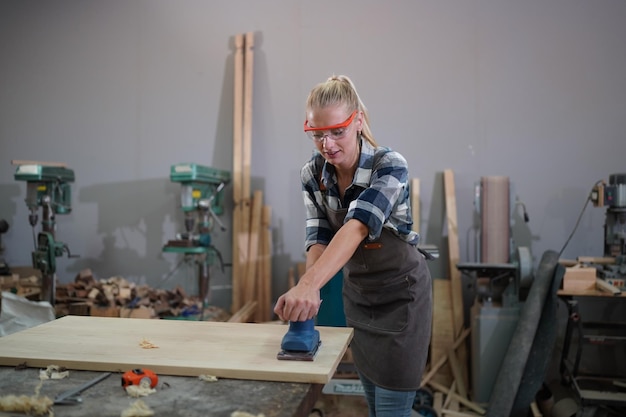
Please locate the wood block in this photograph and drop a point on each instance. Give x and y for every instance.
(99, 311)
(578, 278)
(137, 313)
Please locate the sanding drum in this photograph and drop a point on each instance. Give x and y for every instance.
(494, 216)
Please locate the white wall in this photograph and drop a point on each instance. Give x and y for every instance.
(122, 89)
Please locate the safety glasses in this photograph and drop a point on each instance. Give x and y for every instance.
(334, 132)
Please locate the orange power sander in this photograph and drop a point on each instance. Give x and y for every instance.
(301, 342)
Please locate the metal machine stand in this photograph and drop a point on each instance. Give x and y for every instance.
(201, 202)
(48, 187)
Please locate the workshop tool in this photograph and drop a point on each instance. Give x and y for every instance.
(613, 195)
(138, 376)
(48, 187)
(499, 278)
(201, 200)
(72, 396)
(301, 342)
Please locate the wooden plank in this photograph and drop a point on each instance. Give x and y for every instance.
(415, 204)
(237, 174)
(42, 163)
(456, 288)
(247, 112)
(265, 297)
(184, 348)
(251, 283)
(453, 251)
(442, 330)
(469, 404)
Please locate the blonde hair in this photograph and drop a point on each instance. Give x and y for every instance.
(340, 90)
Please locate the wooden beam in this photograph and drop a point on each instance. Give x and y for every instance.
(237, 172)
(42, 163)
(456, 288)
(415, 204)
(469, 404)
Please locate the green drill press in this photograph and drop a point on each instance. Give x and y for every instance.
(201, 200)
(48, 187)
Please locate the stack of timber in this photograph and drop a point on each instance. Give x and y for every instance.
(23, 281)
(251, 277)
(117, 297)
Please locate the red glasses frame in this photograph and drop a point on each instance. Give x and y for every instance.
(346, 123)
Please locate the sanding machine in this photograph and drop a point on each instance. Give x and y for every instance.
(201, 200)
(500, 276)
(48, 188)
(301, 341)
(613, 196)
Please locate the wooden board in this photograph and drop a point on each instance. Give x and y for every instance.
(185, 348)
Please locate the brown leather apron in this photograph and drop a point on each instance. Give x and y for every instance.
(387, 294)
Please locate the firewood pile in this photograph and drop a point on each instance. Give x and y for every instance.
(117, 297)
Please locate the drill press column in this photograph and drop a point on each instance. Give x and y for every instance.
(201, 201)
(48, 188)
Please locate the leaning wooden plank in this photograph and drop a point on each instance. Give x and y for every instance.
(251, 283)
(456, 371)
(415, 204)
(244, 314)
(266, 265)
(237, 179)
(442, 335)
(247, 112)
(469, 404)
(184, 348)
(456, 288)
(437, 366)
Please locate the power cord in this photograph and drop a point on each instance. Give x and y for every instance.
(580, 216)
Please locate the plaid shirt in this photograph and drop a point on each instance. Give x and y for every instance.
(378, 196)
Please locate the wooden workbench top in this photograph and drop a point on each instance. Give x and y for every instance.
(184, 348)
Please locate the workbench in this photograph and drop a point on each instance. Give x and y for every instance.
(241, 355)
(175, 397)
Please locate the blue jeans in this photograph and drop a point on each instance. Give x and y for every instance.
(387, 403)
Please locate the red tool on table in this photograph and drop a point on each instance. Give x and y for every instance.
(137, 376)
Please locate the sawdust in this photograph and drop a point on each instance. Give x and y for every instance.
(146, 344)
(31, 405)
(244, 414)
(137, 409)
(35, 405)
(53, 372)
(141, 390)
(207, 378)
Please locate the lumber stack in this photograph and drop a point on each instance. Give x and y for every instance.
(118, 297)
(251, 278)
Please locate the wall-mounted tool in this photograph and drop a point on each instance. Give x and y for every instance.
(48, 187)
(201, 199)
(140, 376)
(613, 195)
(301, 341)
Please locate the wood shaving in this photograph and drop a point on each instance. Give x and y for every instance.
(137, 409)
(244, 414)
(53, 372)
(141, 390)
(146, 344)
(31, 405)
(207, 378)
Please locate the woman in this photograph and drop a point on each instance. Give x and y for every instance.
(358, 217)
